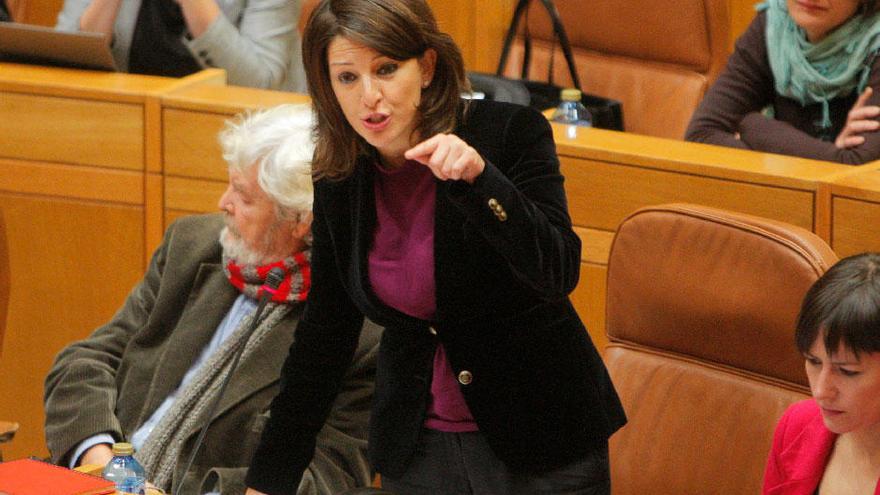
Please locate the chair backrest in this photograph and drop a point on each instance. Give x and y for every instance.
(307, 6)
(4, 279)
(657, 58)
(701, 311)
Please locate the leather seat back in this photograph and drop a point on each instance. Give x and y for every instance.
(701, 310)
(657, 58)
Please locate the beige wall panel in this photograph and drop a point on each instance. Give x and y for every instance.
(190, 144)
(70, 130)
(192, 195)
(601, 194)
(855, 226)
(588, 299)
(72, 264)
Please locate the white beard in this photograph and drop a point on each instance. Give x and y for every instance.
(235, 248)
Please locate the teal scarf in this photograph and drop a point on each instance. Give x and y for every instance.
(816, 73)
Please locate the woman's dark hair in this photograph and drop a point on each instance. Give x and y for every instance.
(868, 7)
(844, 307)
(399, 29)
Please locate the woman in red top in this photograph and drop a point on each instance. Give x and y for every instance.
(830, 444)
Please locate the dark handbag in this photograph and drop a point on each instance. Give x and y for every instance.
(607, 113)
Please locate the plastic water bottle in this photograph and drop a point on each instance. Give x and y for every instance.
(125, 471)
(572, 112)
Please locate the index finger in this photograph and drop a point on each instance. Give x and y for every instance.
(426, 147)
(863, 98)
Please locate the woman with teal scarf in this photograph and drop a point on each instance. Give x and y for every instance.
(804, 80)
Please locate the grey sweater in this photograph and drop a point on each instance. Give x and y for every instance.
(255, 41)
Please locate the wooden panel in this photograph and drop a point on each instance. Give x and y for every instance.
(198, 196)
(854, 226)
(589, 300)
(72, 264)
(72, 181)
(595, 245)
(602, 194)
(190, 144)
(457, 18)
(42, 12)
(87, 84)
(741, 14)
(227, 100)
(154, 224)
(71, 130)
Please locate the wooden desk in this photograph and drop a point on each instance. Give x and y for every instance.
(608, 175)
(81, 192)
(855, 207)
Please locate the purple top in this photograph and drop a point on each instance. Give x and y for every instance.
(401, 269)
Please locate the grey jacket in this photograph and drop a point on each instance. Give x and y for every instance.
(255, 41)
(117, 377)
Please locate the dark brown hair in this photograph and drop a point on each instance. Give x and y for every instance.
(868, 7)
(843, 306)
(399, 29)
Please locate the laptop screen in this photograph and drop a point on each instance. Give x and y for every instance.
(26, 43)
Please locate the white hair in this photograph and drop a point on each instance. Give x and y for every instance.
(280, 140)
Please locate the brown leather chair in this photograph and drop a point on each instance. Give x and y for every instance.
(657, 58)
(306, 10)
(7, 428)
(701, 312)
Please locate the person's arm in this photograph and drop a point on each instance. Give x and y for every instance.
(773, 475)
(744, 86)
(80, 389)
(518, 205)
(256, 52)
(775, 136)
(340, 460)
(323, 348)
(88, 15)
(93, 450)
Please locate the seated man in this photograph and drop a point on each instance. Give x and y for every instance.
(149, 375)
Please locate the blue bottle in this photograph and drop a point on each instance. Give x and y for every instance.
(572, 112)
(124, 470)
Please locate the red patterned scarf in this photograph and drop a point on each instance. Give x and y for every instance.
(295, 287)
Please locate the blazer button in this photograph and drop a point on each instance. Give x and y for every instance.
(465, 377)
(432, 330)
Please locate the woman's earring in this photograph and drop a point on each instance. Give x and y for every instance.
(425, 84)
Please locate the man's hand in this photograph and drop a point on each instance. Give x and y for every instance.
(861, 118)
(99, 454)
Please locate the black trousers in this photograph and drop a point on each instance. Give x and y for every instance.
(462, 464)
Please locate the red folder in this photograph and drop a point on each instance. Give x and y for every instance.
(30, 477)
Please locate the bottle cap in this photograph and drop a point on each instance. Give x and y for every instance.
(570, 94)
(122, 448)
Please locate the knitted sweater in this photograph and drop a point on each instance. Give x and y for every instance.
(734, 102)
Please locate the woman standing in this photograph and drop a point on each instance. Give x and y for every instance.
(446, 222)
(830, 444)
(803, 80)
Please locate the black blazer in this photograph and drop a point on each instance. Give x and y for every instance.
(506, 259)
